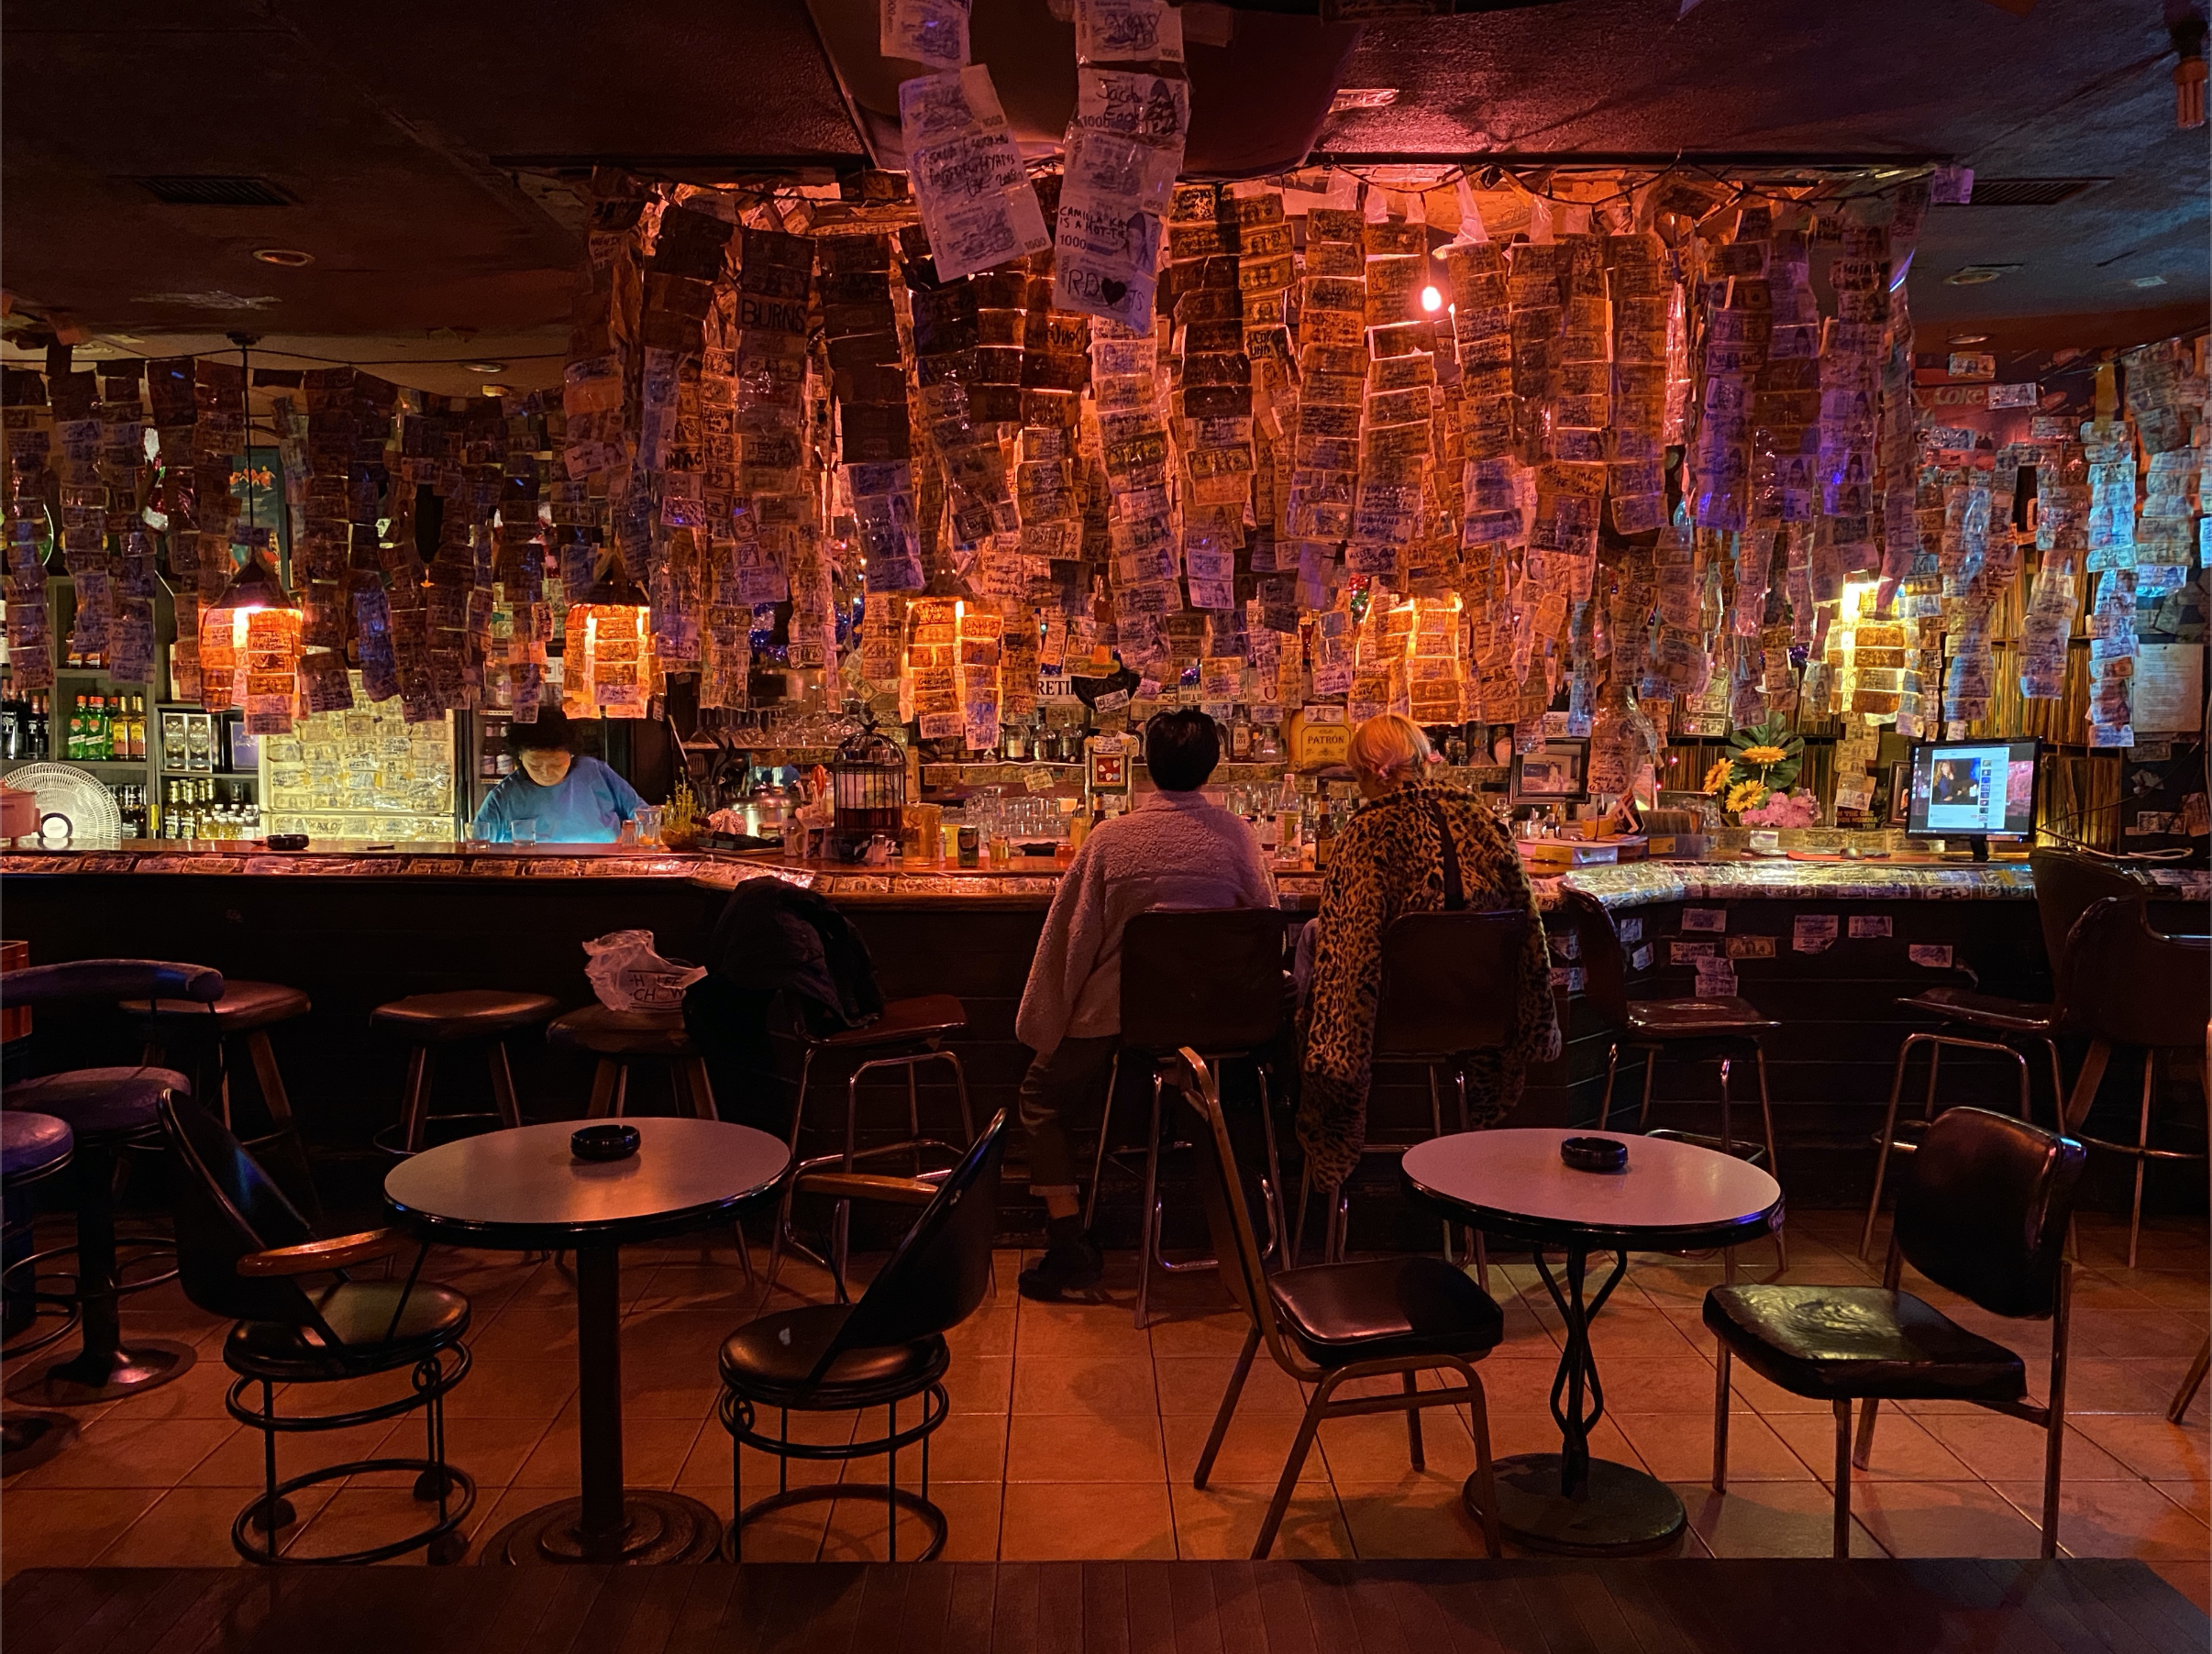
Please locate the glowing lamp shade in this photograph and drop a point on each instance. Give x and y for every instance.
(249, 650)
(1432, 301)
(608, 669)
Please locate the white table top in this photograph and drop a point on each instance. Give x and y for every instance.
(1669, 1187)
(507, 1187)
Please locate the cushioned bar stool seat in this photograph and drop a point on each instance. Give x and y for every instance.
(244, 1007)
(32, 1146)
(429, 1021)
(925, 1017)
(107, 1110)
(618, 1038)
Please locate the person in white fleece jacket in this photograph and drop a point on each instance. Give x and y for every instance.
(1175, 849)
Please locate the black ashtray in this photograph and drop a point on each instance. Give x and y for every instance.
(1594, 1153)
(605, 1142)
(286, 841)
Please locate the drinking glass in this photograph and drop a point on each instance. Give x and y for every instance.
(524, 833)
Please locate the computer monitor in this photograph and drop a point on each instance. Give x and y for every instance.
(1976, 791)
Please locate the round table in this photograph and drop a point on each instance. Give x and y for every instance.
(522, 1190)
(1673, 1196)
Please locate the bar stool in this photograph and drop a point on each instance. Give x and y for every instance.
(106, 1110)
(1447, 998)
(1210, 979)
(1723, 1029)
(246, 1011)
(2126, 984)
(909, 1034)
(428, 1022)
(32, 1147)
(620, 1038)
(2065, 886)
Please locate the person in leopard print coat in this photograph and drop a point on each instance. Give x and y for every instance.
(1387, 861)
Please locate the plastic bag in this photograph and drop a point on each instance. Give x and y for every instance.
(628, 975)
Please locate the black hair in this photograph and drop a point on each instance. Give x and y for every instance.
(550, 733)
(1181, 748)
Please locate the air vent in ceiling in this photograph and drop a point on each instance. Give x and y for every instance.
(213, 190)
(2029, 192)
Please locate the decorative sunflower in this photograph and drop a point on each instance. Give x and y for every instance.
(1716, 777)
(1769, 753)
(1746, 795)
(1764, 755)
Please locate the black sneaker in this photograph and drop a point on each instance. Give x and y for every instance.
(1079, 1263)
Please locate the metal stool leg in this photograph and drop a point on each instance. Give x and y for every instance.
(2142, 1160)
(1888, 1137)
(1650, 1072)
(414, 1108)
(1097, 1162)
(1436, 1130)
(602, 1089)
(1605, 1103)
(781, 1234)
(967, 1121)
(1728, 1126)
(502, 1087)
(1773, 1164)
(1275, 1167)
(1149, 1221)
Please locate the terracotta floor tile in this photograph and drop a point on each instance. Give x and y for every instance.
(1676, 1446)
(2149, 1446)
(69, 1526)
(198, 1394)
(1373, 1448)
(1903, 1449)
(1635, 1330)
(1655, 1384)
(526, 1333)
(1513, 1386)
(719, 1290)
(856, 1527)
(1222, 1522)
(1196, 1384)
(1769, 1519)
(706, 1470)
(1512, 1433)
(1077, 1447)
(2115, 1519)
(1077, 1383)
(1945, 1518)
(1218, 1334)
(1424, 1518)
(122, 1448)
(1096, 1521)
(654, 1452)
(2132, 1385)
(1255, 1449)
(979, 1384)
(1746, 1388)
(190, 1529)
(967, 1447)
(239, 1460)
(509, 1390)
(2127, 1332)
(1098, 1331)
(1998, 1449)
(2190, 1497)
(989, 1331)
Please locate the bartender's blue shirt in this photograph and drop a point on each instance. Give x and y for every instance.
(588, 806)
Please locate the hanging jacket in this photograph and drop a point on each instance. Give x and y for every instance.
(774, 938)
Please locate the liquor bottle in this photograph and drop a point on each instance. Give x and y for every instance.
(1240, 738)
(1324, 834)
(41, 727)
(1015, 745)
(74, 750)
(99, 731)
(137, 726)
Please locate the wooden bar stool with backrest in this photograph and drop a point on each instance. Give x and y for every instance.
(1447, 996)
(1328, 1325)
(1982, 1213)
(431, 1021)
(1211, 979)
(909, 1034)
(2128, 986)
(246, 1013)
(1723, 1029)
(2065, 886)
(107, 1110)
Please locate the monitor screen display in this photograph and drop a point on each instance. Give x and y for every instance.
(1973, 789)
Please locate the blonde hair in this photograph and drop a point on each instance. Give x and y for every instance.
(1390, 747)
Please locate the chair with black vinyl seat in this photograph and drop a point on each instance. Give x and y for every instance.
(245, 1252)
(1448, 995)
(905, 1036)
(1211, 979)
(885, 1349)
(1982, 1212)
(1723, 1029)
(108, 1111)
(1328, 1324)
(33, 1147)
(2065, 884)
(2129, 985)
(244, 1013)
(429, 1022)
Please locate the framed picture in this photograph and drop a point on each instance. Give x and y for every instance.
(1556, 772)
(1899, 802)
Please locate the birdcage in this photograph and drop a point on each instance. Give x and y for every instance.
(867, 784)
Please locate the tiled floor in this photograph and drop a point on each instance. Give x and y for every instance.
(1074, 1436)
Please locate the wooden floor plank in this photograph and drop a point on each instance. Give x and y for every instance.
(1198, 1627)
(2146, 1604)
(1328, 1608)
(927, 1609)
(1551, 1596)
(2026, 1590)
(1059, 1628)
(1368, 1594)
(1105, 1608)
(654, 1623)
(1237, 1607)
(1646, 1617)
(698, 1625)
(111, 1598)
(38, 1595)
(214, 1609)
(968, 1619)
(1013, 1609)
(1282, 1607)
(1151, 1607)
(878, 1624)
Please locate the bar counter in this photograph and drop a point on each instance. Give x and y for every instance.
(356, 926)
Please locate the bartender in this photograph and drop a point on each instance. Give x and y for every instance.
(567, 798)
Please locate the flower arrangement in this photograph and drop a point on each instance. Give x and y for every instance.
(1753, 780)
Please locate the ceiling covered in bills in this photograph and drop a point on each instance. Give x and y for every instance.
(418, 151)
